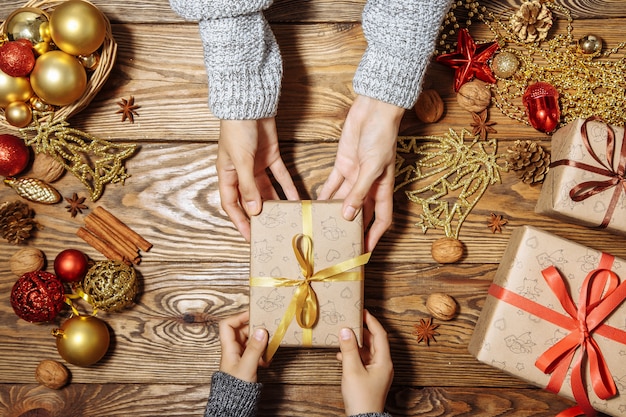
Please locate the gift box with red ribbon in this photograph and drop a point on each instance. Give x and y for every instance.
(586, 183)
(306, 273)
(555, 316)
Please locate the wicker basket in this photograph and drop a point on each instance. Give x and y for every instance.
(97, 78)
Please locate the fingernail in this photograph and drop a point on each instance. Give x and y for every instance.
(259, 334)
(345, 334)
(251, 206)
(349, 212)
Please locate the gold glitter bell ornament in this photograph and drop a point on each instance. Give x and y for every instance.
(58, 78)
(77, 27)
(82, 340)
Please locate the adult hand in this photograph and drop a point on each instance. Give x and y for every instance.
(363, 174)
(241, 356)
(247, 148)
(367, 371)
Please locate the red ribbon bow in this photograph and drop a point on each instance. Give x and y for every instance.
(616, 178)
(600, 295)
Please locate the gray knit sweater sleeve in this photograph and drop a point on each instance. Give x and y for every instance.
(401, 36)
(241, 56)
(232, 397)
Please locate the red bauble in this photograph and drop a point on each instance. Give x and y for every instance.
(17, 58)
(37, 296)
(541, 101)
(71, 265)
(14, 155)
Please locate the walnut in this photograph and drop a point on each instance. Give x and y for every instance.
(429, 106)
(447, 250)
(26, 260)
(441, 306)
(474, 96)
(52, 374)
(46, 168)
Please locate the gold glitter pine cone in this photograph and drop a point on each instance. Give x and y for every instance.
(532, 21)
(529, 160)
(34, 189)
(16, 221)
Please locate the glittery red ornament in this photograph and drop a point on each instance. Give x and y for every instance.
(14, 155)
(17, 58)
(541, 101)
(470, 60)
(37, 296)
(71, 265)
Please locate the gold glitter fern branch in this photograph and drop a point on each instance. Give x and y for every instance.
(450, 166)
(95, 162)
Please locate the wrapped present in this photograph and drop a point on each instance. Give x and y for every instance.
(555, 317)
(306, 273)
(586, 183)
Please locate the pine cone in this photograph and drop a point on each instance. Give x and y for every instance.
(532, 21)
(529, 159)
(16, 221)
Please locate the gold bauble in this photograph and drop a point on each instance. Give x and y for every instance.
(13, 89)
(82, 340)
(18, 114)
(77, 27)
(505, 64)
(590, 45)
(58, 78)
(25, 23)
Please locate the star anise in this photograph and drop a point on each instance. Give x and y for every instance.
(75, 204)
(128, 109)
(481, 126)
(425, 330)
(496, 221)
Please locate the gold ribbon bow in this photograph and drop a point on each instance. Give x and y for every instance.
(304, 305)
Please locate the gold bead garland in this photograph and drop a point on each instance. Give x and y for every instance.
(587, 84)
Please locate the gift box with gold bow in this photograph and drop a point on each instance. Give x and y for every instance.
(555, 316)
(306, 273)
(586, 183)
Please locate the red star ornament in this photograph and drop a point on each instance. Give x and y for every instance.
(470, 60)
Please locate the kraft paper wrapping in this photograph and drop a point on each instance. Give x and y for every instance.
(568, 143)
(512, 339)
(334, 240)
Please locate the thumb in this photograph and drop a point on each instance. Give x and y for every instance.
(254, 350)
(350, 357)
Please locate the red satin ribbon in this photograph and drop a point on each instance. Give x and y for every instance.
(616, 178)
(600, 295)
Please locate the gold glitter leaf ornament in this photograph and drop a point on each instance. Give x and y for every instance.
(34, 190)
(445, 167)
(95, 162)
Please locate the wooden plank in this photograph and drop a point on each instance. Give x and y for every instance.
(178, 400)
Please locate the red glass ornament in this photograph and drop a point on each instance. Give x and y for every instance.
(71, 265)
(17, 58)
(541, 101)
(37, 296)
(14, 155)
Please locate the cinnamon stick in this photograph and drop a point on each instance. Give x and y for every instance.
(96, 226)
(121, 228)
(95, 242)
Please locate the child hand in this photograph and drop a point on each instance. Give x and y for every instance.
(241, 355)
(368, 371)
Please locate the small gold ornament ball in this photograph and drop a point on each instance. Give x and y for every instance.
(82, 340)
(18, 114)
(505, 64)
(26, 23)
(590, 44)
(77, 27)
(13, 89)
(58, 78)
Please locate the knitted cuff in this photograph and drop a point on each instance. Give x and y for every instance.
(231, 396)
(372, 415)
(244, 67)
(214, 9)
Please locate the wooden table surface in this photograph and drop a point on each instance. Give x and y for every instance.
(165, 348)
